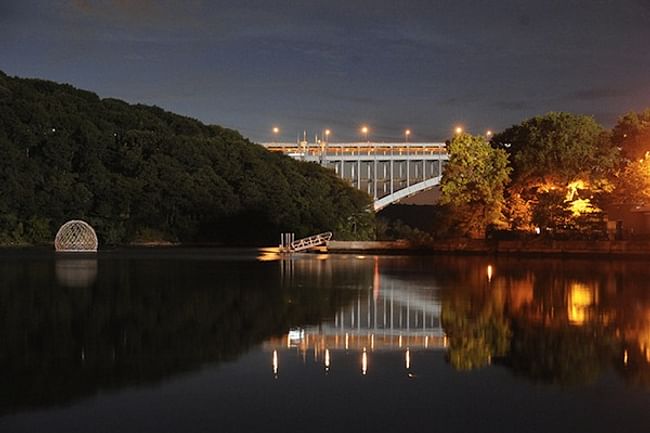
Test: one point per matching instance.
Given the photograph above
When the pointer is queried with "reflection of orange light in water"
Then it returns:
(643, 339)
(268, 257)
(489, 272)
(364, 362)
(347, 341)
(521, 293)
(407, 359)
(580, 298)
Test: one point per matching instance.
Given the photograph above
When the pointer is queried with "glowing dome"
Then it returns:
(76, 236)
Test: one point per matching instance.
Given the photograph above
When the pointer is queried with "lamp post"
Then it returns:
(364, 131)
(407, 133)
(275, 131)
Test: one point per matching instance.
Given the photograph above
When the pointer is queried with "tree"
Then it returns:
(473, 184)
(632, 135)
(560, 160)
(140, 173)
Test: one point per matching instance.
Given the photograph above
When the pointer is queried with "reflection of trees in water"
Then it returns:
(143, 320)
(557, 321)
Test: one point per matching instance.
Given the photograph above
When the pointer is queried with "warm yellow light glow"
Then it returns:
(488, 133)
(327, 132)
(580, 299)
(364, 130)
(364, 362)
(577, 205)
(407, 132)
(407, 358)
(347, 341)
(372, 342)
(399, 341)
(625, 357)
(327, 359)
(489, 272)
(276, 130)
(458, 130)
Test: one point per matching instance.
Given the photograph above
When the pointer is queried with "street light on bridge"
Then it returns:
(364, 131)
(488, 134)
(327, 135)
(458, 130)
(275, 131)
(407, 133)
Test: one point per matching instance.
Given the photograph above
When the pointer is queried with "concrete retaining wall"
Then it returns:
(479, 246)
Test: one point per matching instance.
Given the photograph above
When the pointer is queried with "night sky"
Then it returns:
(426, 65)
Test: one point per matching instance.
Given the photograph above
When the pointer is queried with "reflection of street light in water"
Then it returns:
(327, 360)
(364, 362)
(489, 273)
(407, 362)
(275, 364)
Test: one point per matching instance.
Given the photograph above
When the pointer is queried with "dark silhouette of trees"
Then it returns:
(136, 172)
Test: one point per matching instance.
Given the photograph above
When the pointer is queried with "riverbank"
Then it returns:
(536, 247)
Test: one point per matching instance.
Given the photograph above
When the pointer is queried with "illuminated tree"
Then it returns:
(473, 184)
(560, 163)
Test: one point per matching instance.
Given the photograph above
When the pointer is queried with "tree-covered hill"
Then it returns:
(137, 172)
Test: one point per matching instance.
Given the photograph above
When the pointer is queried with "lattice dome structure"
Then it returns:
(76, 236)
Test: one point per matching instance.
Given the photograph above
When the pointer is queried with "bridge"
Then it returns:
(388, 172)
(394, 314)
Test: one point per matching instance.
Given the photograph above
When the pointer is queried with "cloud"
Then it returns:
(513, 105)
(598, 93)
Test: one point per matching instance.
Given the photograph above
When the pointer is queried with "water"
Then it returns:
(240, 341)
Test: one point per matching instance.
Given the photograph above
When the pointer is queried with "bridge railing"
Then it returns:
(310, 242)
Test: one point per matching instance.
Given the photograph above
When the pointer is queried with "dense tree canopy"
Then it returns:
(632, 134)
(473, 183)
(561, 165)
(138, 172)
(557, 148)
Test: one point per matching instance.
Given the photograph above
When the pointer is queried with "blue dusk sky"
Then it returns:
(310, 65)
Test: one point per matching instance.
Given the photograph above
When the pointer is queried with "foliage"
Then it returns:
(632, 183)
(133, 169)
(398, 230)
(556, 148)
(561, 163)
(477, 332)
(632, 135)
(473, 183)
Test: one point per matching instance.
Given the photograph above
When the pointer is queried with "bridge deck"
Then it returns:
(388, 172)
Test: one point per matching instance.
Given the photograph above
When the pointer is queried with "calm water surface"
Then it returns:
(241, 341)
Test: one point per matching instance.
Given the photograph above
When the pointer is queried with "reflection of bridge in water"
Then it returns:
(396, 315)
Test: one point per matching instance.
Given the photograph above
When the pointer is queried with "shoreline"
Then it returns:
(532, 248)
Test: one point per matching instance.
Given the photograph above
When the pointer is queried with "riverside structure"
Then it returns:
(388, 172)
